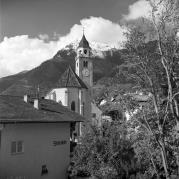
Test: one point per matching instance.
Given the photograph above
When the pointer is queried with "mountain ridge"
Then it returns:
(46, 75)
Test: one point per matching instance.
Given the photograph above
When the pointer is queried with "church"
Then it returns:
(74, 88)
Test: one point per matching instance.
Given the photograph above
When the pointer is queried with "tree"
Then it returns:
(153, 67)
(107, 152)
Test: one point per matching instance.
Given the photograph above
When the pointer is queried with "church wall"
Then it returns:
(73, 95)
(87, 103)
(60, 95)
(81, 97)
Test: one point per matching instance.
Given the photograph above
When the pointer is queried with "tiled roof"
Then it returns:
(13, 109)
(84, 43)
(136, 97)
(70, 79)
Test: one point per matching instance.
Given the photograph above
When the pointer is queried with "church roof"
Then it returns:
(70, 79)
(13, 109)
(84, 43)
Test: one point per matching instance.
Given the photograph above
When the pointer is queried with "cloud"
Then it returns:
(44, 37)
(143, 8)
(97, 29)
(138, 9)
(21, 52)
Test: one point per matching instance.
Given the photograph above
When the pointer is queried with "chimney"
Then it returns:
(36, 103)
(26, 98)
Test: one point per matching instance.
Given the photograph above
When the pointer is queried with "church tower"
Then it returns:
(84, 65)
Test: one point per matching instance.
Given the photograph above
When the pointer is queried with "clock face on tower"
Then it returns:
(85, 72)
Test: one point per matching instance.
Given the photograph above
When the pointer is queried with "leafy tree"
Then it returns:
(107, 152)
(152, 66)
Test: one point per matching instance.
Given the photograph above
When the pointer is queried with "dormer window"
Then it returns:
(85, 64)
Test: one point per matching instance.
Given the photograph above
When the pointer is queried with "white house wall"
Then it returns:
(39, 150)
(60, 95)
(98, 112)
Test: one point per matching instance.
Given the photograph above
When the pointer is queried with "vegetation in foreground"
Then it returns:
(146, 145)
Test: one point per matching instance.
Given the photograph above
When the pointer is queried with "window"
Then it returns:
(44, 170)
(85, 51)
(17, 147)
(73, 106)
(83, 109)
(85, 64)
(66, 99)
(94, 115)
(54, 96)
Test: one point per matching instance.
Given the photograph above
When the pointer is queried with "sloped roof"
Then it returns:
(136, 97)
(84, 43)
(70, 79)
(13, 109)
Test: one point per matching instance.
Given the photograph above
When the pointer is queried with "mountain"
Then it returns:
(47, 74)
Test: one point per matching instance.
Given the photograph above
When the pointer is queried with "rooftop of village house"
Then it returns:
(14, 109)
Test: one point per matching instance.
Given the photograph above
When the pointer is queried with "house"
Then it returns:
(96, 115)
(139, 100)
(34, 138)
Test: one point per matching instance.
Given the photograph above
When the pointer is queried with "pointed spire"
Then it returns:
(84, 43)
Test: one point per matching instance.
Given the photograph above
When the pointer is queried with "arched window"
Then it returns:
(66, 98)
(83, 109)
(85, 51)
(85, 64)
(73, 106)
(54, 96)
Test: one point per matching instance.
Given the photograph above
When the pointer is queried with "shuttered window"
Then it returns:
(17, 147)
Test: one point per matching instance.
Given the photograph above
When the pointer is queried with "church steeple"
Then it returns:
(84, 43)
(83, 47)
(84, 65)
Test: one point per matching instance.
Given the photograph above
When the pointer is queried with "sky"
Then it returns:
(32, 31)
